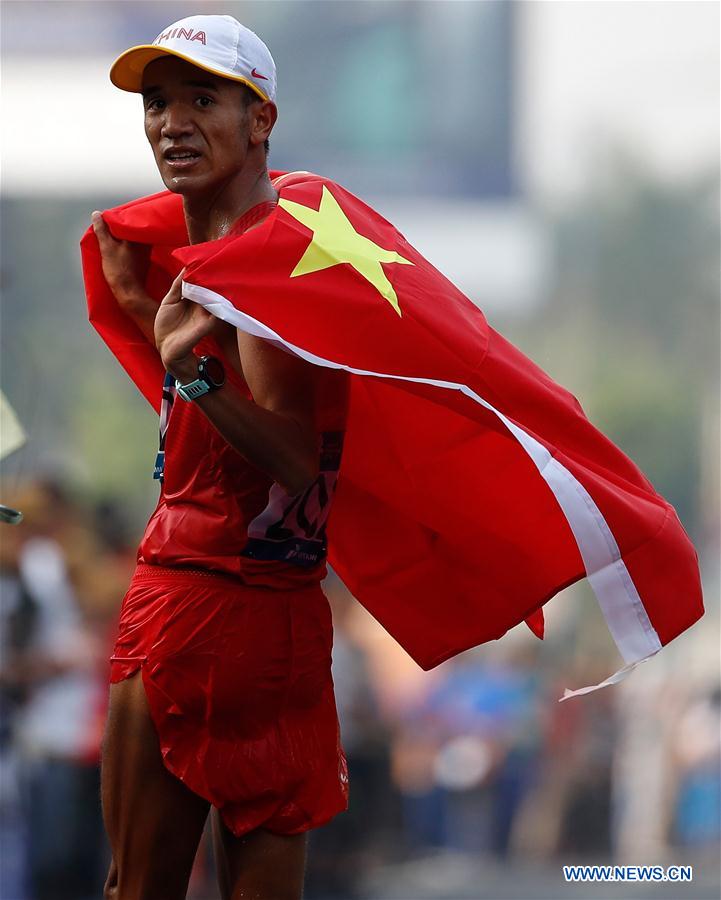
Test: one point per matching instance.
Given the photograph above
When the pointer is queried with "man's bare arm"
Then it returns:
(276, 430)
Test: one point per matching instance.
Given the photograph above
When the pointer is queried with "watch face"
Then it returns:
(213, 371)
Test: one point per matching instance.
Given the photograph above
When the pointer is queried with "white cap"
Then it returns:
(218, 44)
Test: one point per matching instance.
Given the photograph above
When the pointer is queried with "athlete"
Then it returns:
(221, 696)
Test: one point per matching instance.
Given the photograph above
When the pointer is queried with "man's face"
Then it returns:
(197, 124)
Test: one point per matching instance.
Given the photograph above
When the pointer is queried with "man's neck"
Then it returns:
(211, 217)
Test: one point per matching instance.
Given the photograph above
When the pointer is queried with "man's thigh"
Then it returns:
(259, 864)
(154, 822)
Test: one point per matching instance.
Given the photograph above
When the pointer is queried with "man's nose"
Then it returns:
(176, 122)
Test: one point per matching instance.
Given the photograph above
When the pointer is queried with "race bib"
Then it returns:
(292, 528)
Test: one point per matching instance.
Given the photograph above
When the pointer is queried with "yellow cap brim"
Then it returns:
(126, 72)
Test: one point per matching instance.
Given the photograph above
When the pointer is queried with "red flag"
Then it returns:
(157, 221)
(473, 487)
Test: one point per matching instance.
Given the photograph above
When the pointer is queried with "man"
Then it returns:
(473, 488)
(221, 689)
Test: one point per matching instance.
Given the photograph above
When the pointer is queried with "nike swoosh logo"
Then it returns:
(258, 75)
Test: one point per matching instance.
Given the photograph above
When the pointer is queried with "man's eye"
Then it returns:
(155, 103)
(204, 101)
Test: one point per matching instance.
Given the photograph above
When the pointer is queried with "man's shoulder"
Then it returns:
(301, 176)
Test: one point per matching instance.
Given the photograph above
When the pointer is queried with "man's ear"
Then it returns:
(263, 118)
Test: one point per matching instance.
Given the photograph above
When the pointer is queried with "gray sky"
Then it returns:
(644, 75)
(592, 75)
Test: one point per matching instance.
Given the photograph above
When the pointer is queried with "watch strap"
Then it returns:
(205, 383)
(193, 389)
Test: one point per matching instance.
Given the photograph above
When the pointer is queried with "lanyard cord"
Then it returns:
(166, 405)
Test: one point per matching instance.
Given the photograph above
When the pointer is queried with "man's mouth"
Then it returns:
(181, 157)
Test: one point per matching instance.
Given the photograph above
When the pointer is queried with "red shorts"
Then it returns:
(239, 685)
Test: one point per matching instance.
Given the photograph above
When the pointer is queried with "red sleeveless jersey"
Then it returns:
(216, 511)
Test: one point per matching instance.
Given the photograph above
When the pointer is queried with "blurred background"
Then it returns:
(559, 162)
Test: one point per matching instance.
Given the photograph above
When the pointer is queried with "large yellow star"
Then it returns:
(336, 241)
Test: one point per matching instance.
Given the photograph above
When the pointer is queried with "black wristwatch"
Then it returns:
(211, 377)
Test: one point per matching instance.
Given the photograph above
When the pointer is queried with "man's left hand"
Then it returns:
(179, 325)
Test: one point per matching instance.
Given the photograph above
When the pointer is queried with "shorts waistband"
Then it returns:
(144, 571)
(190, 575)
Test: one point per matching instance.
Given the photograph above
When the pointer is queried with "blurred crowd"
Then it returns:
(63, 572)
(476, 757)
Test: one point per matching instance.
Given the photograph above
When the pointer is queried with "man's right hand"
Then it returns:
(125, 265)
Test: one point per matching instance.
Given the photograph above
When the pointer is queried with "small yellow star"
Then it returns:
(336, 241)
